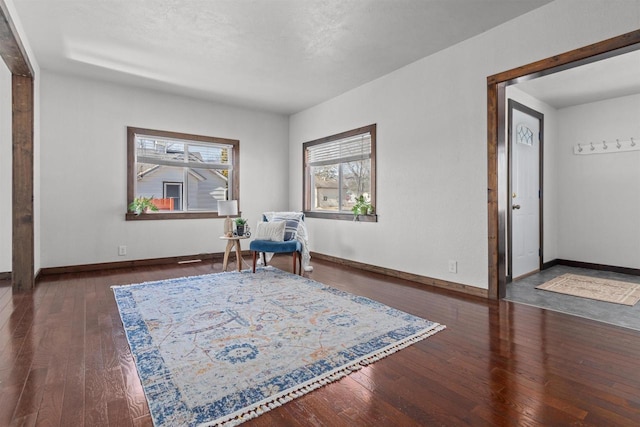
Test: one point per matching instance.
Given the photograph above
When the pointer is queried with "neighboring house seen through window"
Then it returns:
(337, 170)
(185, 174)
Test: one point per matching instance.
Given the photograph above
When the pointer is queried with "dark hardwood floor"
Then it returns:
(64, 361)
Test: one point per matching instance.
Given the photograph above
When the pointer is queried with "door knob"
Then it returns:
(515, 207)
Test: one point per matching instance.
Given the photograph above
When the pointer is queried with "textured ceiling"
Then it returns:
(279, 55)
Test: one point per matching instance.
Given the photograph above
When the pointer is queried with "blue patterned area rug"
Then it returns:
(223, 348)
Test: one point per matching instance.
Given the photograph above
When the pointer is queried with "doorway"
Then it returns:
(525, 145)
(498, 197)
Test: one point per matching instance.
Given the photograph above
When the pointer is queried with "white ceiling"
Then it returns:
(279, 55)
(609, 78)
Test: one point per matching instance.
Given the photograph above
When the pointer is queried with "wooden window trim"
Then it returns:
(131, 172)
(342, 216)
(306, 184)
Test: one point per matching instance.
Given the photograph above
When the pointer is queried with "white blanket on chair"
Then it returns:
(301, 235)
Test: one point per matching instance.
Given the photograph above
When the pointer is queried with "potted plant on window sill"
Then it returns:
(361, 207)
(142, 205)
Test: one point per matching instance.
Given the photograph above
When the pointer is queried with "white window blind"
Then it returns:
(349, 149)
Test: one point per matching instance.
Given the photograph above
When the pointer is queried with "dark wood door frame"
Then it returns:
(514, 105)
(14, 55)
(497, 167)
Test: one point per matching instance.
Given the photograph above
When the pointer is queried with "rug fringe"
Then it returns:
(273, 402)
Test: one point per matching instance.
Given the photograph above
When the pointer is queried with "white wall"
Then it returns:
(599, 194)
(550, 170)
(5, 169)
(432, 141)
(84, 165)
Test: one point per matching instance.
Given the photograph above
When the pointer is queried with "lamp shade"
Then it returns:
(227, 207)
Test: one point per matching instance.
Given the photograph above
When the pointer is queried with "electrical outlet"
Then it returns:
(453, 266)
(122, 250)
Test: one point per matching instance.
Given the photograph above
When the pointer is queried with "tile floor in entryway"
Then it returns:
(523, 291)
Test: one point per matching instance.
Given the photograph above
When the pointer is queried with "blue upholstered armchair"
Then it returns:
(278, 235)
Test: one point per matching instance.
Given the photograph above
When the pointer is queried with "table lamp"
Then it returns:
(227, 207)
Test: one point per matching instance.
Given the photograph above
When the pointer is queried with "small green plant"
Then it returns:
(361, 207)
(142, 204)
(241, 226)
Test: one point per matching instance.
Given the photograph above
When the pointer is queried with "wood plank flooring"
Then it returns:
(65, 361)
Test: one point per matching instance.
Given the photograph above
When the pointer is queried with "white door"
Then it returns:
(525, 193)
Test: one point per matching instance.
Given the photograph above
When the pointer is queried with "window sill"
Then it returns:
(341, 216)
(177, 215)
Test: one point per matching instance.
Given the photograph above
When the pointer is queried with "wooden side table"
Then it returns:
(231, 242)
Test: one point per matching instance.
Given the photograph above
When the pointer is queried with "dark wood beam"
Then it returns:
(14, 55)
(11, 48)
(22, 183)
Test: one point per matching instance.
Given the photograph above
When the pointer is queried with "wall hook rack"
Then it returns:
(620, 146)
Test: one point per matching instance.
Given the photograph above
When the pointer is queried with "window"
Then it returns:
(185, 174)
(337, 170)
(173, 192)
